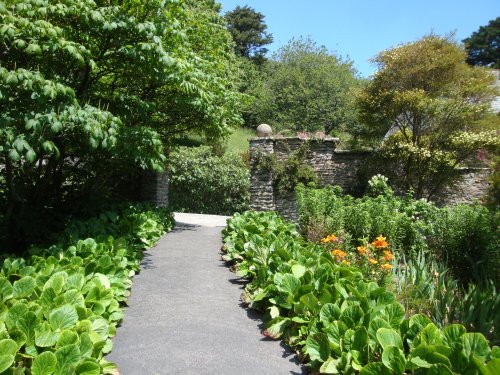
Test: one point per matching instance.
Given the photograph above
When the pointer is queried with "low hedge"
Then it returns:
(60, 305)
(339, 321)
(201, 182)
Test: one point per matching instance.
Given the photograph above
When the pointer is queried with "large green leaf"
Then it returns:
(68, 358)
(5, 289)
(88, 368)
(287, 283)
(389, 337)
(374, 326)
(63, 317)
(6, 360)
(360, 339)
(395, 314)
(8, 350)
(432, 354)
(317, 347)
(394, 359)
(375, 368)
(439, 369)
(27, 324)
(430, 335)
(329, 312)
(330, 366)
(298, 270)
(46, 338)
(101, 327)
(476, 344)
(44, 364)
(15, 313)
(67, 337)
(86, 345)
(8, 346)
(453, 332)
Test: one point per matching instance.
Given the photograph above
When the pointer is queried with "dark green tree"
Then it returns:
(249, 32)
(483, 46)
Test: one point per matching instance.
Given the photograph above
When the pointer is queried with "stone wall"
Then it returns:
(347, 169)
(154, 188)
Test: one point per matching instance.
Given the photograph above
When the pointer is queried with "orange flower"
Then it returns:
(388, 256)
(372, 261)
(330, 238)
(362, 250)
(386, 267)
(380, 242)
(339, 253)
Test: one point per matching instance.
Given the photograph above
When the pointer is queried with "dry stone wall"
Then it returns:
(347, 169)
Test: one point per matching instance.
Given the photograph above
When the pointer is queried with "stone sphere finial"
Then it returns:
(264, 130)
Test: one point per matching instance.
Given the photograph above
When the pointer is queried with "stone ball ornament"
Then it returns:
(264, 130)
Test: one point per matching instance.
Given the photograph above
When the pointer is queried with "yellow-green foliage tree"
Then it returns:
(426, 105)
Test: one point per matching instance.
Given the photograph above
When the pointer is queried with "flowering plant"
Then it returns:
(374, 258)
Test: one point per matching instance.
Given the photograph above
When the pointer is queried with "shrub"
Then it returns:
(340, 321)
(463, 237)
(60, 306)
(201, 182)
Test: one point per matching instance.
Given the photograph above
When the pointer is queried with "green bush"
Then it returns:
(463, 237)
(60, 306)
(201, 182)
(426, 286)
(339, 321)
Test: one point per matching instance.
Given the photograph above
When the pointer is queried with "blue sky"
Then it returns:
(360, 29)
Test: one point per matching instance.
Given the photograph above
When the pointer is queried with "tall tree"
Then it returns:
(91, 90)
(430, 100)
(306, 88)
(483, 46)
(249, 32)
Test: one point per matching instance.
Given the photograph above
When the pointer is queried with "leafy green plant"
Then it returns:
(423, 285)
(339, 321)
(462, 237)
(60, 306)
(290, 171)
(202, 182)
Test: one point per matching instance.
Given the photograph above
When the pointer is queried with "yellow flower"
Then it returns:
(372, 261)
(386, 267)
(339, 253)
(362, 250)
(380, 242)
(330, 238)
(346, 262)
(388, 256)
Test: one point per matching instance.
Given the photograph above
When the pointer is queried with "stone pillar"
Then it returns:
(261, 182)
(154, 188)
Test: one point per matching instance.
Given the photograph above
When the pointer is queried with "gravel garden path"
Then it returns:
(185, 314)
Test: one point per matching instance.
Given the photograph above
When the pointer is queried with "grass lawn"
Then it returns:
(238, 141)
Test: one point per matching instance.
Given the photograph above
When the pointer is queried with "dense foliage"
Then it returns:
(249, 32)
(483, 46)
(91, 91)
(340, 321)
(201, 182)
(426, 101)
(305, 88)
(60, 306)
(463, 237)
